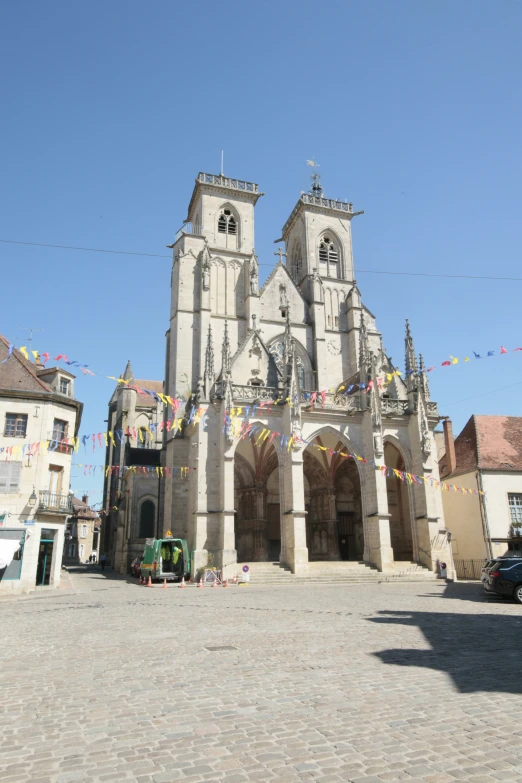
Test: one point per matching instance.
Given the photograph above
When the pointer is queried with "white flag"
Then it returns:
(311, 163)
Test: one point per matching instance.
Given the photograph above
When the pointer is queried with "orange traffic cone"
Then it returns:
(234, 579)
(141, 579)
(164, 585)
(225, 583)
(182, 583)
(215, 583)
(149, 583)
(200, 583)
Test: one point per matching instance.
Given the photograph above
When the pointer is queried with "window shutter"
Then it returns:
(4, 475)
(14, 481)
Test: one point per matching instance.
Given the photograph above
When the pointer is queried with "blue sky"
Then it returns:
(412, 109)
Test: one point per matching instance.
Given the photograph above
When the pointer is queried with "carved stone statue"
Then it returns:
(283, 301)
(205, 267)
(254, 276)
(378, 444)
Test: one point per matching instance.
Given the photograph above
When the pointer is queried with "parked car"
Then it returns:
(136, 566)
(504, 577)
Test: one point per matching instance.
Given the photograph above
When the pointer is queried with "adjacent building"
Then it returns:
(82, 533)
(39, 417)
(132, 498)
(485, 457)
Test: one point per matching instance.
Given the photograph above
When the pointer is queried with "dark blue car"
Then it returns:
(504, 577)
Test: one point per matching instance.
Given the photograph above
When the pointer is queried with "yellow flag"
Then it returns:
(23, 351)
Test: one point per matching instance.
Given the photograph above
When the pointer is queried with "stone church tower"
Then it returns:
(306, 340)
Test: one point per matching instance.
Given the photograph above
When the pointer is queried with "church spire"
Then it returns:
(423, 379)
(364, 349)
(209, 375)
(410, 364)
(225, 354)
(128, 375)
(287, 342)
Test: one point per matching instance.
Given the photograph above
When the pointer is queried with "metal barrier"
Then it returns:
(469, 569)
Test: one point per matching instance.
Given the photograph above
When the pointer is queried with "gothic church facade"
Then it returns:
(306, 339)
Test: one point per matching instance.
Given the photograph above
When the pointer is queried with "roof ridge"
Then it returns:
(272, 274)
(26, 365)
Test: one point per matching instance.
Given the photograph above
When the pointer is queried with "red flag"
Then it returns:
(445, 364)
(502, 349)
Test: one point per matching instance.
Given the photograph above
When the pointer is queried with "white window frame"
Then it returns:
(67, 384)
(515, 507)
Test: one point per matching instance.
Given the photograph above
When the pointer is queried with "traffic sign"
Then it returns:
(245, 569)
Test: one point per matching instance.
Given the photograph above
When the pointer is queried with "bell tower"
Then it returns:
(214, 276)
(318, 239)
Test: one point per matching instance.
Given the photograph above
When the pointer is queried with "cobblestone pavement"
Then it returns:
(368, 683)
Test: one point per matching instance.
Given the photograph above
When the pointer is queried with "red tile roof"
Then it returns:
(489, 443)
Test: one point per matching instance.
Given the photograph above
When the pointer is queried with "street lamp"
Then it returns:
(32, 498)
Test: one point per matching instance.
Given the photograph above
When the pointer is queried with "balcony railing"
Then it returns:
(397, 407)
(330, 203)
(196, 229)
(251, 393)
(54, 503)
(227, 182)
(332, 402)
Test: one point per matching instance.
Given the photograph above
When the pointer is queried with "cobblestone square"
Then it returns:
(365, 683)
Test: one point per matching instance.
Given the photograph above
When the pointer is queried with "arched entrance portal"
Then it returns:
(256, 500)
(398, 506)
(349, 511)
(334, 523)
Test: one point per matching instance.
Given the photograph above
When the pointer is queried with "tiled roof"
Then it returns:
(17, 374)
(499, 442)
(489, 443)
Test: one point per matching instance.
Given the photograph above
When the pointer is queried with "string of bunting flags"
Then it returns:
(43, 358)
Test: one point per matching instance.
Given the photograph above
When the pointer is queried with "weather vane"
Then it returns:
(316, 188)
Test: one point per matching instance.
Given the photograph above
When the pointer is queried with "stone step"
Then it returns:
(335, 572)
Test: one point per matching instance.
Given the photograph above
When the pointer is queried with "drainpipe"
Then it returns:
(484, 515)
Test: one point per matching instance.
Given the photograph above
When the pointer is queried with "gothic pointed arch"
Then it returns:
(228, 226)
(330, 254)
(295, 262)
(304, 366)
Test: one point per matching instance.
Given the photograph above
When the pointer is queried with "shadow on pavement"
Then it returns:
(467, 591)
(480, 652)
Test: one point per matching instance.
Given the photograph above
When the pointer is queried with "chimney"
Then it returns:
(449, 442)
(85, 499)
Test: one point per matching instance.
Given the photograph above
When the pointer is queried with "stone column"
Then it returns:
(293, 504)
(376, 524)
(431, 542)
(227, 542)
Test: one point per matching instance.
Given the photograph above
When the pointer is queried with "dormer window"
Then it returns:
(328, 253)
(227, 223)
(65, 385)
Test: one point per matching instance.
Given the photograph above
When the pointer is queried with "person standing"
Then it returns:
(103, 560)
